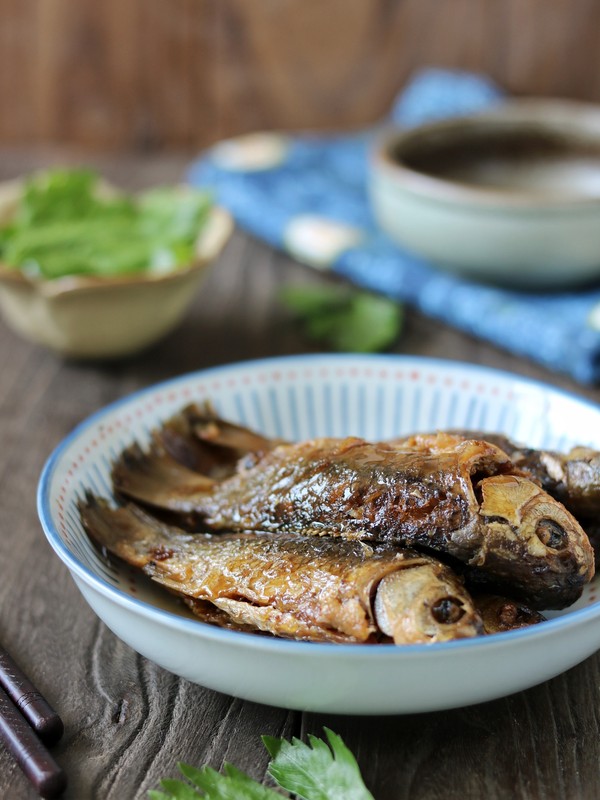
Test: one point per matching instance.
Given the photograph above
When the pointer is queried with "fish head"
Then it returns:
(501, 614)
(529, 531)
(425, 602)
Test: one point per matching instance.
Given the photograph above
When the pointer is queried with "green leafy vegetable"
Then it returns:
(345, 319)
(67, 225)
(315, 772)
(312, 772)
(62, 195)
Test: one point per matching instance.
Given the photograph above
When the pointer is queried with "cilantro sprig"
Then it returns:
(344, 318)
(313, 771)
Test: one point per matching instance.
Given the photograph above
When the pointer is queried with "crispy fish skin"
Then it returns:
(460, 500)
(319, 589)
(573, 478)
(342, 485)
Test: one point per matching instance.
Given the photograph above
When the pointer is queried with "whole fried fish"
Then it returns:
(464, 501)
(318, 589)
(573, 477)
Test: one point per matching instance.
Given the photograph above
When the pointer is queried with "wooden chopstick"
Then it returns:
(39, 714)
(22, 703)
(29, 752)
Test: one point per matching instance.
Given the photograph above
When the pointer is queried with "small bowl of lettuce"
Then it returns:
(92, 272)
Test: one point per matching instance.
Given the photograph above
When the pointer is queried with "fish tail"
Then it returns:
(125, 531)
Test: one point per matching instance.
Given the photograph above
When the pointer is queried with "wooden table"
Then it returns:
(128, 721)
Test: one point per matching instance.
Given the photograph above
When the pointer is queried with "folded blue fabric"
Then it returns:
(306, 194)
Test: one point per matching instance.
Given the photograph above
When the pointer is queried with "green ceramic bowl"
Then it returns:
(511, 196)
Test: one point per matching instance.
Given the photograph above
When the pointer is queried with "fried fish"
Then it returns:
(302, 587)
(573, 477)
(464, 500)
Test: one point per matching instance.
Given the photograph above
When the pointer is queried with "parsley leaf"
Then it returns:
(233, 785)
(345, 319)
(315, 772)
(311, 771)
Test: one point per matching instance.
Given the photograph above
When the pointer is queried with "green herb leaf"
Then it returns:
(345, 319)
(233, 785)
(311, 771)
(56, 195)
(314, 771)
(65, 225)
(179, 789)
(172, 215)
(313, 299)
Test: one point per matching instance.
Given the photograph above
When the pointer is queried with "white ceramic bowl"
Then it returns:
(510, 196)
(297, 398)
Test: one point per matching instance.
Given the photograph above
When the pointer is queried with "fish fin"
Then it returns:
(155, 478)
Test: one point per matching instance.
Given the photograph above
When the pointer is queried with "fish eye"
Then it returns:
(448, 610)
(550, 533)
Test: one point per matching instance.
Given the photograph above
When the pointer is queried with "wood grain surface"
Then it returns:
(157, 74)
(128, 721)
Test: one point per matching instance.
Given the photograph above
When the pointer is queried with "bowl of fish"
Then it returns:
(92, 272)
(339, 533)
(509, 196)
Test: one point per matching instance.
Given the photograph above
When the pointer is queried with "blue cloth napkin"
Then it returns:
(306, 194)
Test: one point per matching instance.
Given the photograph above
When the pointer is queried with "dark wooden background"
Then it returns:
(160, 74)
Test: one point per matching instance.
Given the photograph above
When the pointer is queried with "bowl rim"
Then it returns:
(543, 113)
(203, 630)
